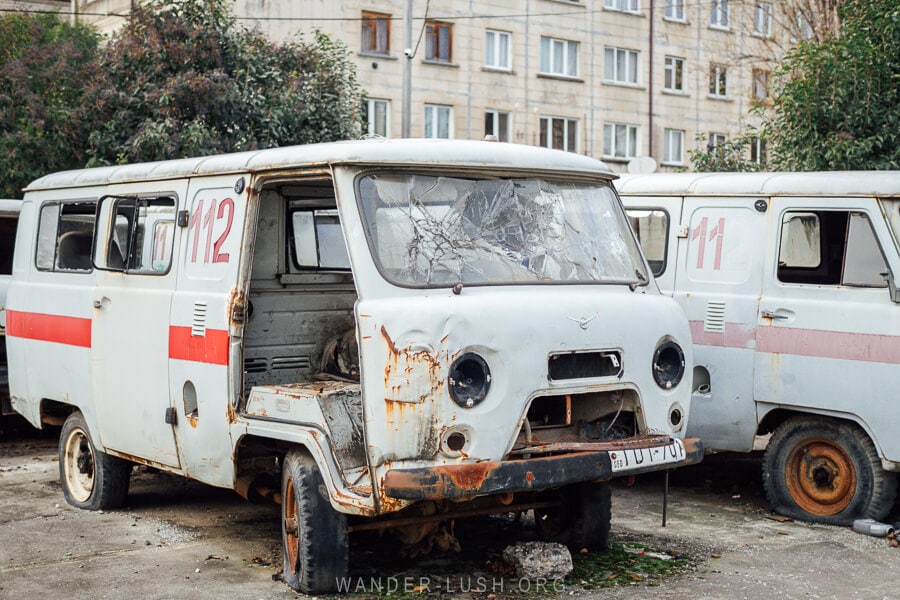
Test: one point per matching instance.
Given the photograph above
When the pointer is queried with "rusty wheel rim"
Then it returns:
(78, 465)
(291, 526)
(820, 477)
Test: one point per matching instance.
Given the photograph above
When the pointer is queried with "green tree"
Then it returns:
(44, 62)
(182, 79)
(837, 100)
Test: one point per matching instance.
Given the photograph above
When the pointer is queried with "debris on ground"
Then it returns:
(547, 561)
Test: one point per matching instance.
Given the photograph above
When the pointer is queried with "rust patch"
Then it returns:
(387, 338)
(193, 421)
(236, 307)
(230, 414)
(470, 477)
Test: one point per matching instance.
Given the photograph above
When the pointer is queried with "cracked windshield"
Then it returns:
(427, 230)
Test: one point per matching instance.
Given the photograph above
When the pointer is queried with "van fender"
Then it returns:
(314, 440)
(770, 415)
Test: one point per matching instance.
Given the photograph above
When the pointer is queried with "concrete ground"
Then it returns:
(180, 539)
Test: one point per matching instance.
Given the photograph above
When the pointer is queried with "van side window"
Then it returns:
(140, 235)
(318, 240)
(652, 230)
(65, 235)
(830, 248)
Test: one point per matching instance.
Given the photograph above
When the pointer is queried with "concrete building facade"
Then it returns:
(613, 79)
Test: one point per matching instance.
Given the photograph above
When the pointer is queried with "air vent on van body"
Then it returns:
(198, 325)
(715, 316)
(584, 365)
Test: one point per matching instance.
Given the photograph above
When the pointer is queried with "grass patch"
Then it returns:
(625, 564)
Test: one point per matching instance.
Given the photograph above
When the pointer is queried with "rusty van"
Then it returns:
(789, 281)
(376, 334)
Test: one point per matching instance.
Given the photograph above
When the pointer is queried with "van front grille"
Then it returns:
(584, 365)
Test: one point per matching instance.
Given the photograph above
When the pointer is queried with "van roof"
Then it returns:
(382, 152)
(815, 183)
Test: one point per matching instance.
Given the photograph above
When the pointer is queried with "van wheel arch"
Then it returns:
(826, 470)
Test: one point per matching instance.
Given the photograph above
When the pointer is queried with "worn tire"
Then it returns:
(313, 534)
(826, 471)
(91, 480)
(581, 521)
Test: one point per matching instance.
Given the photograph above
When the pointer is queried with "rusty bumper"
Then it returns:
(531, 474)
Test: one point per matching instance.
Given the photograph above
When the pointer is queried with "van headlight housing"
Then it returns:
(469, 380)
(668, 364)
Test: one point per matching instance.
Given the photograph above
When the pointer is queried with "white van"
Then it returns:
(9, 217)
(789, 283)
(376, 334)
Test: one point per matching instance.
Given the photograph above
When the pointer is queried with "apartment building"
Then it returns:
(613, 79)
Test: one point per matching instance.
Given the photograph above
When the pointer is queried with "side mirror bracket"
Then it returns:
(892, 286)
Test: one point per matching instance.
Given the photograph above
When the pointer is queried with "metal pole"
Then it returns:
(407, 69)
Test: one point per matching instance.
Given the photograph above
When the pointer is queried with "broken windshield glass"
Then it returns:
(427, 230)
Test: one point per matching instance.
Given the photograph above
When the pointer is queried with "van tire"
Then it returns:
(91, 480)
(582, 520)
(826, 471)
(314, 535)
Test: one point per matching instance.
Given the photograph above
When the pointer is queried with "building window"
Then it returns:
(758, 153)
(762, 19)
(496, 50)
(438, 121)
(674, 74)
(715, 139)
(376, 33)
(620, 141)
(559, 133)
(378, 116)
(621, 65)
(559, 57)
(673, 146)
(719, 16)
(675, 10)
(623, 5)
(718, 81)
(438, 41)
(496, 123)
(804, 28)
(760, 86)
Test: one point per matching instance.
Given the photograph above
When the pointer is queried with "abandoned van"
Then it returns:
(9, 217)
(789, 281)
(376, 334)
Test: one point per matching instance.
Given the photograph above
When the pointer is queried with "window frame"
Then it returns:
(632, 138)
(492, 40)
(719, 17)
(371, 22)
(626, 6)
(434, 120)
(432, 34)
(667, 147)
(293, 245)
(632, 65)
(546, 133)
(762, 15)
(53, 266)
(758, 151)
(129, 253)
(673, 69)
(497, 128)
(678, 9)
(718, 81)
(759, 92)
(548, 66)
(370, 110)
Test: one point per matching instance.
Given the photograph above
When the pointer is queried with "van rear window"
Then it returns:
(65, 236)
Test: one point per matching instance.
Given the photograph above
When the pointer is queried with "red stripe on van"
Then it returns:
(842, 345)
(210, 348)
(59, 329)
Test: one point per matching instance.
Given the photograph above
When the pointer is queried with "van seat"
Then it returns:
(74, 251)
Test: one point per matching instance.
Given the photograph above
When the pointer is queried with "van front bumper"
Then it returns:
(583, 462)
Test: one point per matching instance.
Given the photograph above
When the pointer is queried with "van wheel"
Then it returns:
(582, 519)
(826, 471)
(91, 480)
(314, 535)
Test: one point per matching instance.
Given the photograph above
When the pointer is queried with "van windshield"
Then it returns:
(433, 231)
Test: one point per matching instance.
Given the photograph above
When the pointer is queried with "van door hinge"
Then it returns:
(682, 231)
(171, 416)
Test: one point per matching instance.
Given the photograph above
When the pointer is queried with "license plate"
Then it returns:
(639, 458)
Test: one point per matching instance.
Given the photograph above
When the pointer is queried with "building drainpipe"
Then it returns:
(650, 85)
(407, 70)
